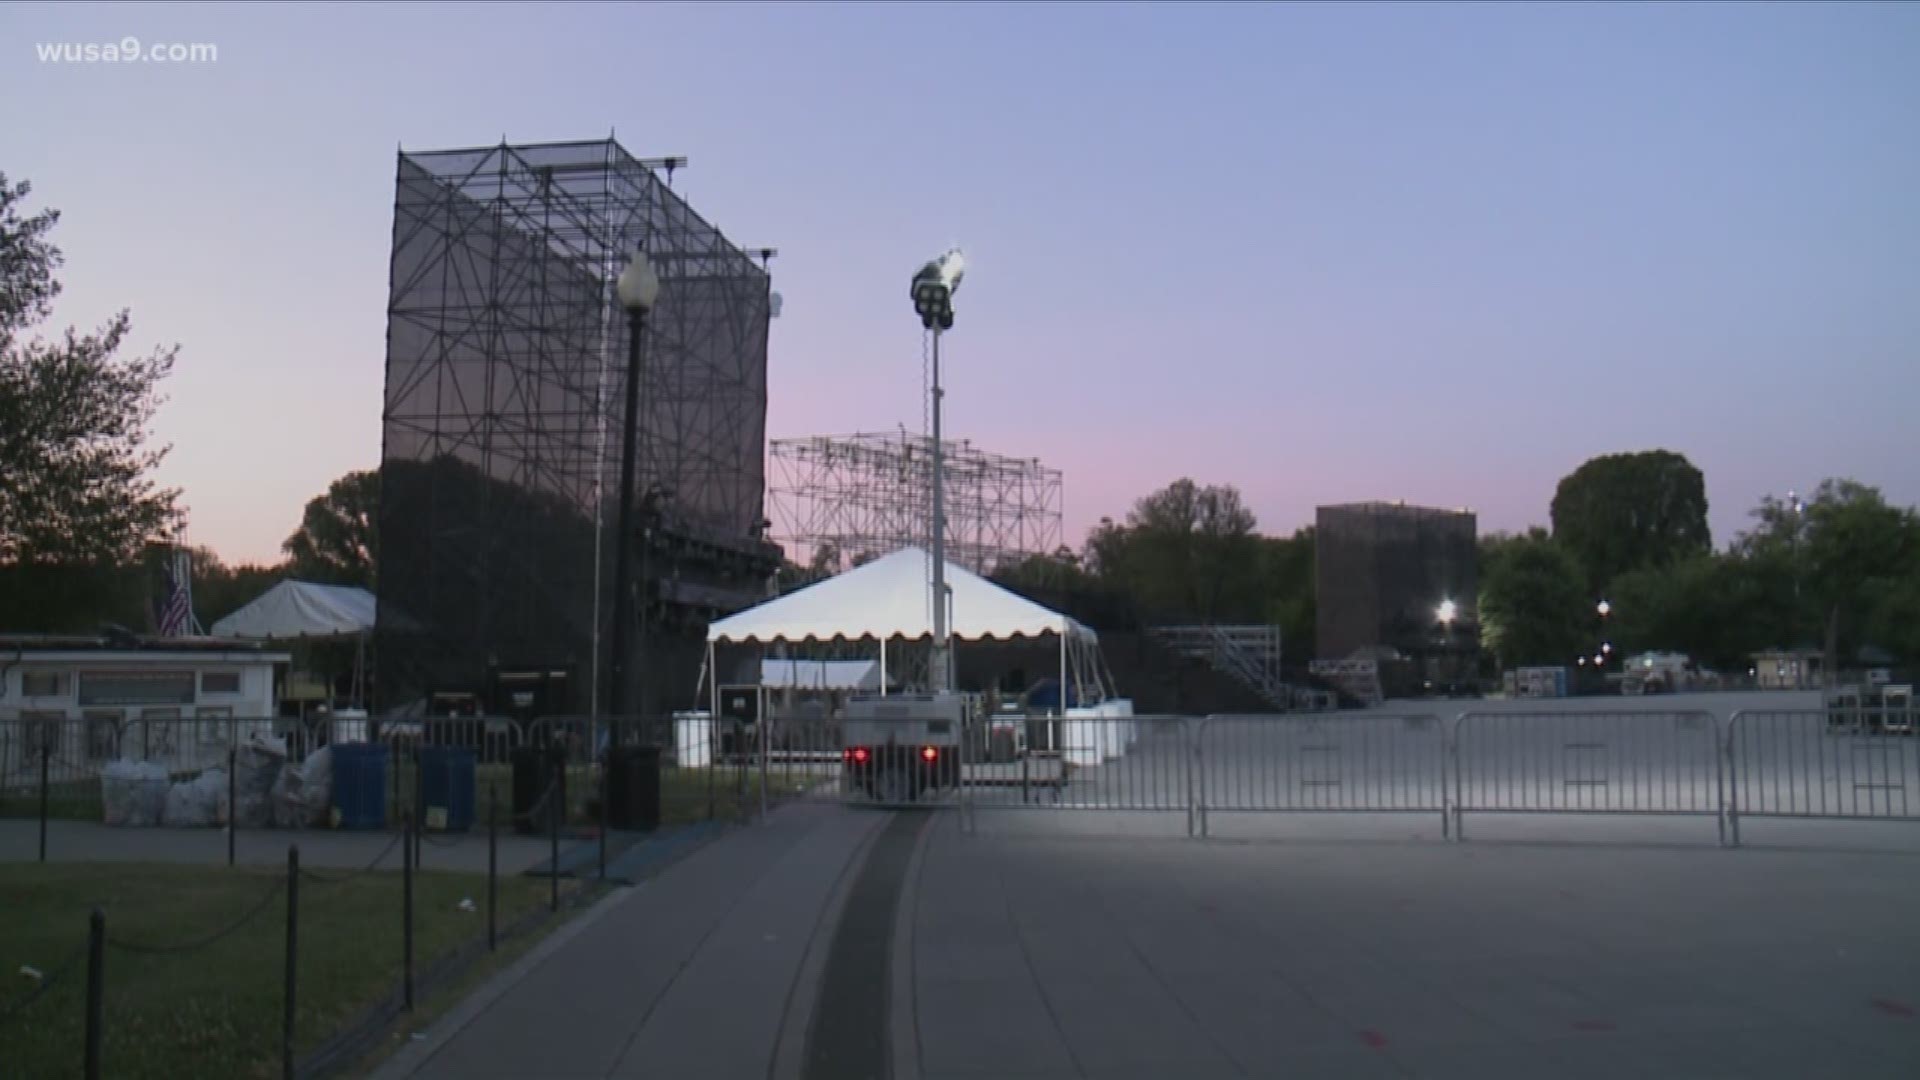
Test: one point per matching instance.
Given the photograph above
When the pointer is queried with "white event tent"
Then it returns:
(303, 609)
(296, 609)
(890, 599)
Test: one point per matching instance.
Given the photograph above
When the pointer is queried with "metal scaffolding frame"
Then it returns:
(506, 352)
(868, 494)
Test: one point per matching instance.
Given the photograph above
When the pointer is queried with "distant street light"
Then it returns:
(1448, 609)
(1605, 609)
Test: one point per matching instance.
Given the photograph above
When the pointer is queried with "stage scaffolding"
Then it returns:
(865, 495)
(506, 350)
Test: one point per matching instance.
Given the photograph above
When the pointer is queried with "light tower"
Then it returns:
(933, 289)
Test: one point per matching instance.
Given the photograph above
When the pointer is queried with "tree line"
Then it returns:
(1837, 572)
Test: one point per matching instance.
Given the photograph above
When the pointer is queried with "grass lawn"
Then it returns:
(216, 1011)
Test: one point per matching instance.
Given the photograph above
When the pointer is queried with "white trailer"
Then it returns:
(902, 747)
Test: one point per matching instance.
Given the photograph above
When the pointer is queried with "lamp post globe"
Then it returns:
(639, 284)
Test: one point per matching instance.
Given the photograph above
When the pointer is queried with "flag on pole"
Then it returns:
(175, 617)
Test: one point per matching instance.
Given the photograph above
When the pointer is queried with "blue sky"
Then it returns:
(1324, 253)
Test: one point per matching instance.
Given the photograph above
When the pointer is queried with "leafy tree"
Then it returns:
(1622, 512)
(73, 418)
(1287, 575)
(1186, 552)
(1845, 556)
(1894, 624)
(1062, 582)
(826, 562)
(1856, 555)
(1533, 600)
(220, 590)
(337, 536)
(1718, 609)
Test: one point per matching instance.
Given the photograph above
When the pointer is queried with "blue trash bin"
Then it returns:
(360, 785)
(447, 783)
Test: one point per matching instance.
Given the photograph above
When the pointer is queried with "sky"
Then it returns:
(1324, 253)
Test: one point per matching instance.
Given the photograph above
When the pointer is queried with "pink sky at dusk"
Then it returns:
(1325, 254)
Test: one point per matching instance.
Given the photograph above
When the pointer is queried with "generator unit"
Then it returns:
(902, 747)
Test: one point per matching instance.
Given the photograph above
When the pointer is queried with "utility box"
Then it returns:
(633, 788)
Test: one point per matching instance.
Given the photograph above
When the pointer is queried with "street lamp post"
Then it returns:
(932, 292)
(638, 288)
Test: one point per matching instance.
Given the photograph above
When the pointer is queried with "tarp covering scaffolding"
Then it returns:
(506, 362)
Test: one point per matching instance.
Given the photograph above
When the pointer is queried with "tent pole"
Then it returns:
(883, 667)
(1063, 674)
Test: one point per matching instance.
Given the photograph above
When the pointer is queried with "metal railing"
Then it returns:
(1250, 654)
(1612, 762)
(1342, 764)
(1093, 763)
(1833, 763)
(1843, 762)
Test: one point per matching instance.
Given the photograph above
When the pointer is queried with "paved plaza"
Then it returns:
(1058, 946)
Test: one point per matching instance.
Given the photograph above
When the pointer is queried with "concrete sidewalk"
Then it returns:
(702, 971)
(1038, 956)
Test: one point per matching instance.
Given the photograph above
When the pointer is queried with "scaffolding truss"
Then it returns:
(506, 351)
(861, 496)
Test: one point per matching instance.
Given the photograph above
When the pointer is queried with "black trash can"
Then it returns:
(533, 771)
(633, 788)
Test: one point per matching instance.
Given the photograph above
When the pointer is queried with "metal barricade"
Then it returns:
(1117, 763)
(1321, 763)
(799, 756)
(1847, 762)
(1611, 762)
(57, 762)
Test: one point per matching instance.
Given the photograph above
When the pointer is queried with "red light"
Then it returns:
(928, 753)
(859, 755)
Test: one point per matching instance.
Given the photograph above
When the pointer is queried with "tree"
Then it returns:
(1533, 600)
(826, 562)
(336, 540)
(1288, 583)
(73, 418)
(1852, 555)
(1186, 552)
(1622, 512)
(1062, 582)
(1845, 555)
(1717, 609)
(220, 590)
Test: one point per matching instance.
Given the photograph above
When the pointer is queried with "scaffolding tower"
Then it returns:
(861, 496)
(506, 354)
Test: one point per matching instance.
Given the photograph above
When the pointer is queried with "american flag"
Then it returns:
(175, 615)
